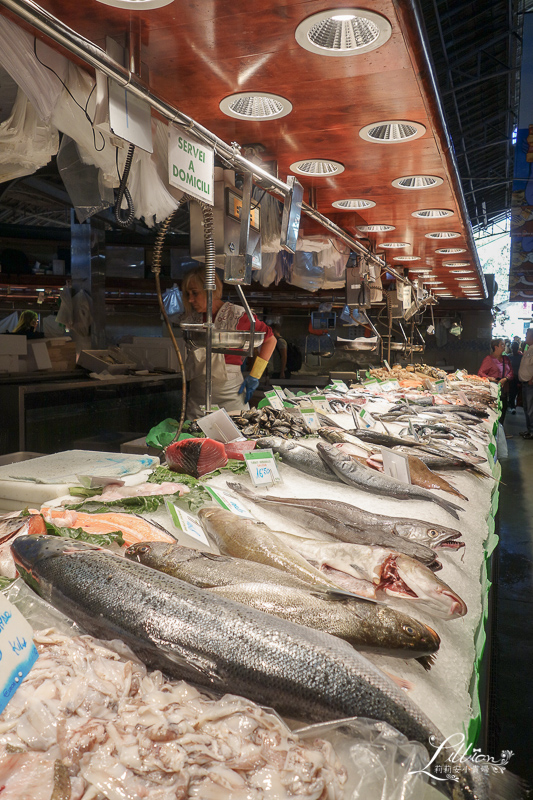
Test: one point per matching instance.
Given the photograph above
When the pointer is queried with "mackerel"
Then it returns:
(301, 458)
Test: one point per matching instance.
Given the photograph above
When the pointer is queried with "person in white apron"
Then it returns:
(229, 389)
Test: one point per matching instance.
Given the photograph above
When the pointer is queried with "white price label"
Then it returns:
(310, 416)
(339, 386)
(228, 502)
(17, 651)
(321, 404)
(367, 419)
(386, 386)
(186, 523)
(440, 387)
(396, 465)
(262, 467)
(274, 399)
(394, 385)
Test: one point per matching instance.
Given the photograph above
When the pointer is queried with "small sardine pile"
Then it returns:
(271, 422)
(87, 722)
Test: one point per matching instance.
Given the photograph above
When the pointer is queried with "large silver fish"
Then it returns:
(352, 524)
(394, 574)
(191, 634)
(354, 474)
(367, 626)
(301, 458)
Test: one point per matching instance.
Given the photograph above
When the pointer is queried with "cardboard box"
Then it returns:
(38, 357)
(62, 354)
(100, 360)
(13, 345)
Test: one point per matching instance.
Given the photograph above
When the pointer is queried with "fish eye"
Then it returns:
(144, 549)
(433, 533)
(409, 629)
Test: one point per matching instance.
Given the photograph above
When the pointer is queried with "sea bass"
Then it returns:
(301, 458)
(254, 541)
(392, 573)
(367, 626)
(351, 524)
(354, 474)
(224, 646)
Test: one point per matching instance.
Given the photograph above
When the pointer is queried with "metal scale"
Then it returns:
(236, 248)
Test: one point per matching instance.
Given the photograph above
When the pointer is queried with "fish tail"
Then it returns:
(241, 489)
(451, 508)
(426, 661)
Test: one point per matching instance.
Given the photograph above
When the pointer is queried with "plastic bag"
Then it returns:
(82, 313)
(377, 758)
(502, 451)
(173, 302)
(26, 142)
(10, 322)
(65, 313)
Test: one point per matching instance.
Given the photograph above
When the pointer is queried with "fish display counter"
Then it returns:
(335, 592)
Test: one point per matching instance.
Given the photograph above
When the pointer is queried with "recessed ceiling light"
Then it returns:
(394, 245)
(343, 32)
(432, 213)
(442, 235)
(406, 258)
(136, 5)
(450, 251)
(462, 271)
(392, 131)
(417, 182)
(375, 228)
(420, 270)
(349, 204)
(463, 281)
(318, 167)
(255, 105)
(456, 263)
(445, 294)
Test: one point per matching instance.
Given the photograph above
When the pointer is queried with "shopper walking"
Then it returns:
(497, 368)
(525, 376)
(514, 384)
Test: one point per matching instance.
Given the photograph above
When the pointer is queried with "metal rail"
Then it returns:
(93, 55)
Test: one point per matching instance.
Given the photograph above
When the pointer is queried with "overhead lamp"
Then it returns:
(392, 131)
(136, 5)
(461, 271)
(442, 235)
(375, 228)
(432, 213)
(450, 251)
(317, 167)
(351, 204)
(406, 258)
(417, 182)
(395, 245)
(343, 32)
(420, 270)
(456, 263)
(255, 105)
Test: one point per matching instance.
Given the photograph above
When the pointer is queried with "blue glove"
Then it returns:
(249, 385)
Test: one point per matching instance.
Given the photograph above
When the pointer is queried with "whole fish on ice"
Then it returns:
(224, 646)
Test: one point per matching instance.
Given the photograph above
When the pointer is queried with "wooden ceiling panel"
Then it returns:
(200, 51)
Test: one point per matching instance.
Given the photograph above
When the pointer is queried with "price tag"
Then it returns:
(459, 376)
(321, 404)
(385, 386)
(228, 502)
(387, 365)
(262, 467)
(17, 651)
(339, 386)
(280, 393)
(274, 399)
(394, 384)
(367, 419)
(186, 523)
(396, 465)
(310, 416)
(219, 426)
(440, 387)
(373, 385)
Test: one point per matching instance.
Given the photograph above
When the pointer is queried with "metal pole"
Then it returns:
(76, 44)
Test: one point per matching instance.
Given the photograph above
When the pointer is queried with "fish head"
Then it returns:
(427, 533)
(409, 633)
(270, 441)
(31, 552)
(151, 552)
(424, 587)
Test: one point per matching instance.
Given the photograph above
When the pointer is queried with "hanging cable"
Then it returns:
(123, 191)
(156, 269)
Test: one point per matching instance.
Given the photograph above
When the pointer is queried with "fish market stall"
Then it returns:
(332, 535)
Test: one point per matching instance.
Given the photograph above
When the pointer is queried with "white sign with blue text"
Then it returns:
(17, 651)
